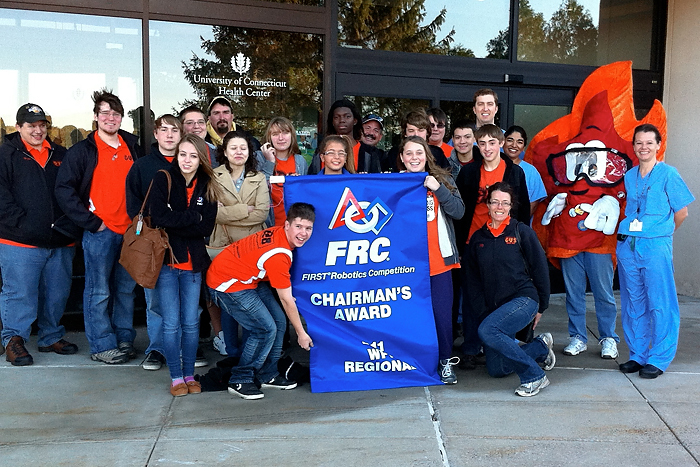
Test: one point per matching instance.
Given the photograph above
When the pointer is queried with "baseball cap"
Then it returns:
(219, 100)
(30, 113)
(374, 117)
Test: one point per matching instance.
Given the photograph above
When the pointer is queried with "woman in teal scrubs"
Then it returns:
(657, 200)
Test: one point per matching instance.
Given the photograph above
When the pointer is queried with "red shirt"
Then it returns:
(437, 263)
(277, 190)
(188, 265)
(481, 211)
(39, 155)
(265, 255)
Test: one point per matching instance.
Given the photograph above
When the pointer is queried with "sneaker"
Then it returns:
(219, 344)
(575, 347)
(248, 391)
(551, 359)
(110, 357)
(200, 361)
(532, 389)
(609, 350)
(448, 376)
(154, 361)
(279, 382)
(128, 349)
(17, 353)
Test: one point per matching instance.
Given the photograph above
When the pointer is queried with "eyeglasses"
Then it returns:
(495, 202)
(437, 125)
(195, 122)
(333, 153)
(109, 113)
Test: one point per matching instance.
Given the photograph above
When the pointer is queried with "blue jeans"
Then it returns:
(503, 354)
(234, 345)
(108, 299)
(178, 293)
(258, 312)
(154, 322)
(599, 269)
(36, 285)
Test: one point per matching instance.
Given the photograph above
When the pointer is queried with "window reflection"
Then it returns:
(586, 32)
(104, 52)
(391, 110)
(445, 27)
(263, 73)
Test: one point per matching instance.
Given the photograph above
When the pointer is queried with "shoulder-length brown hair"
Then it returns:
(440, 174)
(283, 124)
(202, 149)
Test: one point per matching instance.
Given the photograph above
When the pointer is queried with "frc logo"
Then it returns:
(360, 216)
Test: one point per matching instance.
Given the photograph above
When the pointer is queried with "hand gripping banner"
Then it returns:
(362, 281)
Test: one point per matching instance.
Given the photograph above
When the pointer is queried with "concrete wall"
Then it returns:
(682, 102)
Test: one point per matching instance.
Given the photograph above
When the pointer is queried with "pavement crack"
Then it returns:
(436, 426)
(166, 417)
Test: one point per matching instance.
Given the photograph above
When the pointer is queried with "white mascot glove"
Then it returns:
(555, 207)
(602, 215)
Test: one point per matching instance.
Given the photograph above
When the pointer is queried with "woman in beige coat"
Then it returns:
(243, 207)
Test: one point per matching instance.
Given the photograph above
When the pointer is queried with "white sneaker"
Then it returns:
(575, 347)
(551, 359)
(532, 389)
(219, 344)
(609, 350)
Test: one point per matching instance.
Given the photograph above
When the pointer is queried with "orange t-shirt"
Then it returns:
(188, 265)
(108, 189)
(500, 229)
(356, 154)
(169, 158)
(42, 155)
(481, 211)
(447, 149)
(437, 263)
(265, 255)
(277, 189)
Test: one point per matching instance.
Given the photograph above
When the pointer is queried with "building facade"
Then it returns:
(295, 57)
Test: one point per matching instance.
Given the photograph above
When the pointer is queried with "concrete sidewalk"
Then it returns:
(68, 410)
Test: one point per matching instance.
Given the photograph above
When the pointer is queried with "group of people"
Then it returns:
(218, 194)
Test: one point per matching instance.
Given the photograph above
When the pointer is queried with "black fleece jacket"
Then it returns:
(139, 178)
(29, 213)
(75, 180)
(497, 271)
(186, 224)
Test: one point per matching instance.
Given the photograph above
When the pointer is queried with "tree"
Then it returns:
(291, 57)
(531, 33)
(394, 25)
(571, 36)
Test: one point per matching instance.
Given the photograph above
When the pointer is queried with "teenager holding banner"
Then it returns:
(443, 204)
(240, 280)
(334, 151)
(508, 286)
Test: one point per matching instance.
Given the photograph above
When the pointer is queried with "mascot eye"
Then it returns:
(592, 161)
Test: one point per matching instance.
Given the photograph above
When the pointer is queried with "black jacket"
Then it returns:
(368, 160)
(186, 225)
(468, 184)
(497, 272)
(29, 213)
(75, 179)
(139, 178)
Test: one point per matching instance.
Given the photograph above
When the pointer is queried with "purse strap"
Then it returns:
(148, 192)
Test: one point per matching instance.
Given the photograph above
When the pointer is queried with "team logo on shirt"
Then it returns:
(360, 216)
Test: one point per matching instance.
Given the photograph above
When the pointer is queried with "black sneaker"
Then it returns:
(280, 382)
(128, 349)
(248, 391)
(200, 361)
(154, 361)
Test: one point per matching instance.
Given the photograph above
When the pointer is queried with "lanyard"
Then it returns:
(645, 189)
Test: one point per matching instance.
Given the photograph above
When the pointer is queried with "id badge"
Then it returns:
(635, 226)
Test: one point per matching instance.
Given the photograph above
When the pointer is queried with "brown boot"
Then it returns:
(16, 352)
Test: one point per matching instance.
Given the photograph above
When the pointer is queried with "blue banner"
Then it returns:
(362, 281)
